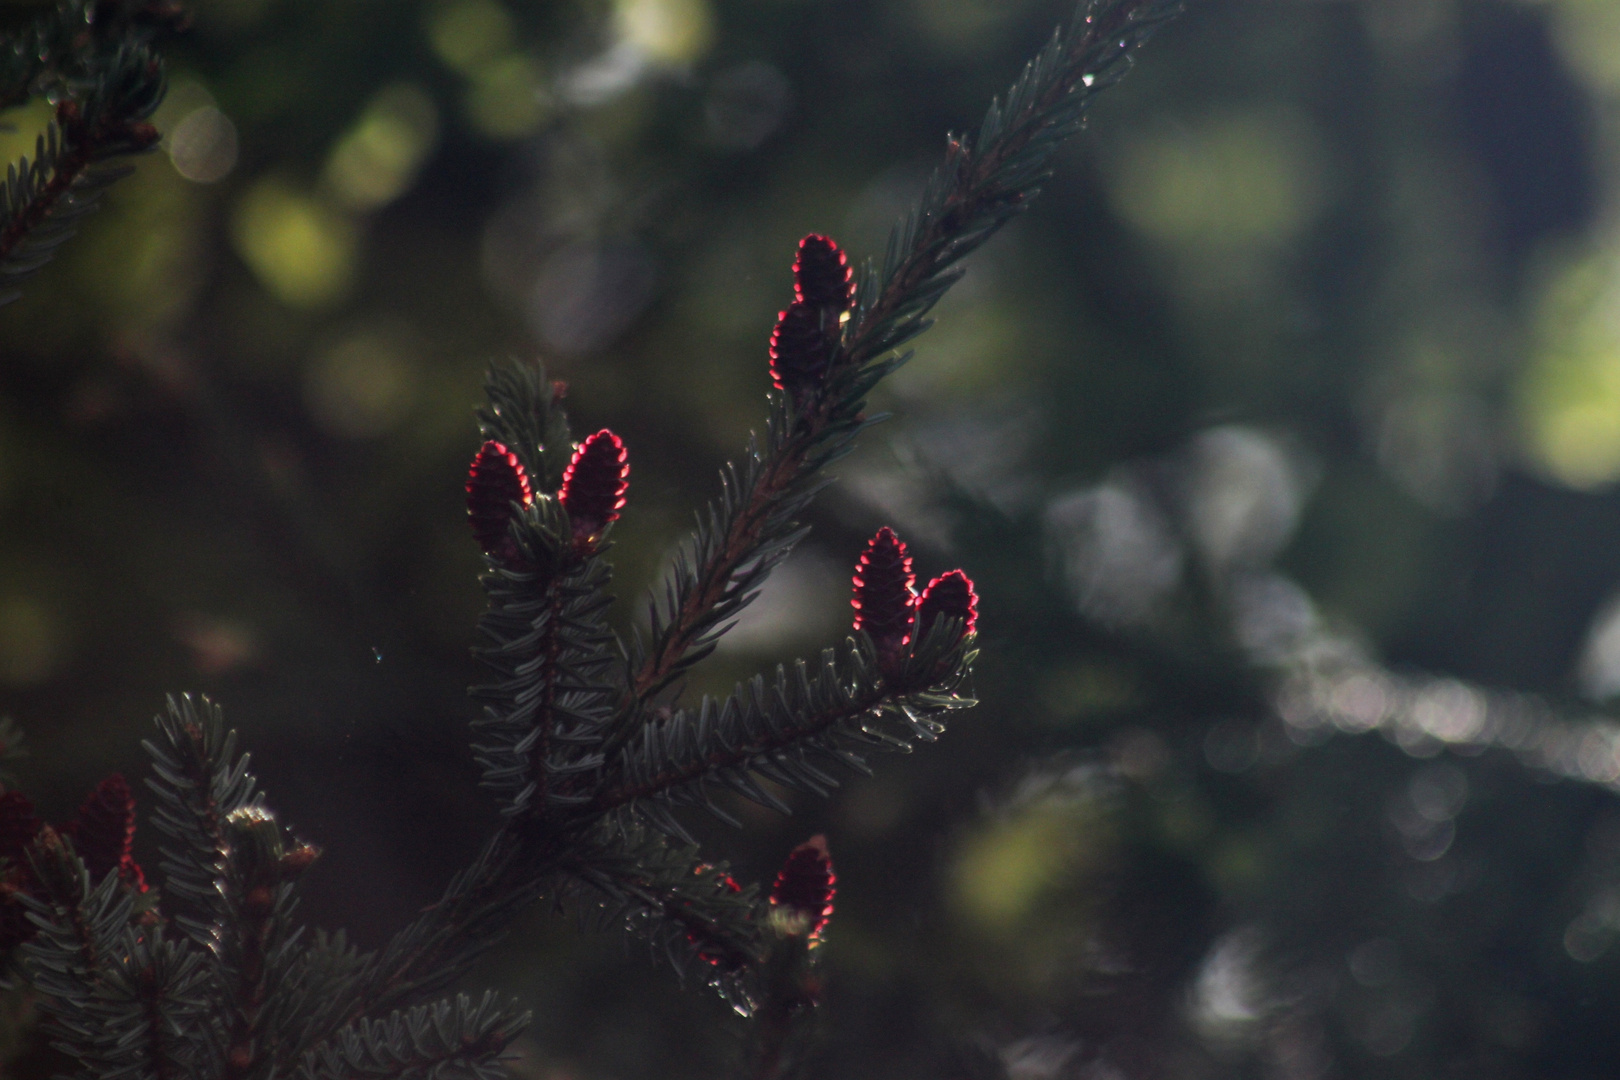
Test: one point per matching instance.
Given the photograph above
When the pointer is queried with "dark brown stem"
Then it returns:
(790, 993)
(251, 989)
(772, 1025)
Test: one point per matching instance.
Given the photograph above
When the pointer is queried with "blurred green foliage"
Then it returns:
(1308, 361)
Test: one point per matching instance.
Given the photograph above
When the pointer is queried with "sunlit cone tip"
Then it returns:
(949, 596)
(805, 885)
(594, 484)
(496, 481)
(822, 276)
(105, 828)
(885, 590)
(800, 348)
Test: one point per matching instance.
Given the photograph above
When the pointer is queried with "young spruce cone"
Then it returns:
(495, 482)
(885, 593)
(593, 487)
(104, 832)
(822, 276)
(804, 888)
(19, 824)
(800, 349)
(948, 596)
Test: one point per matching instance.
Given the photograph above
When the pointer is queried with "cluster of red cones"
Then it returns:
(807, 333)
(593, 491)
(888, 607)
(101, 834)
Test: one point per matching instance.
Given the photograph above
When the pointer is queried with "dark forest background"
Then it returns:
(1280, 437)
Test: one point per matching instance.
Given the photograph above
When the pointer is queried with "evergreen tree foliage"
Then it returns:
(583, 740)
(95, 61)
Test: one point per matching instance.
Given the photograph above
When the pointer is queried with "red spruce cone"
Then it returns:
(494, 483)
(822, 276)
(105, 830)
(593, 487)
(800, 348)
(885, 592)
(805, 885)
(948, 596)
(19, 824)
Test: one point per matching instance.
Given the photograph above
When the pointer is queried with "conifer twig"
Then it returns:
(769, 728)
(450, 1038)
(982, 185)
(583, 778)
(94, 58)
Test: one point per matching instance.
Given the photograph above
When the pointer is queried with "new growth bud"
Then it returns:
(297, 860)
(593, 487)
(495, 482)
(803, 893)
(885, 593)
(822, 276)
(949, 596)
(256, 851)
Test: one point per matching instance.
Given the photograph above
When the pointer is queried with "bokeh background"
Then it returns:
(1281, 438)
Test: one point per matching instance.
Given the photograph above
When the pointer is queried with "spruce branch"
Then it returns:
(478, 907)
(544, 632)
(584, 772)
(96, 62)
(199, 782)
(62, 44)
(524, 411)
(788, 728)
(545, 639)
(447, 1040)
(989, 178)
(233, 867)
(690, 912)
(119, 997)
(984, 182)
(253, 943)
(320, 973)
